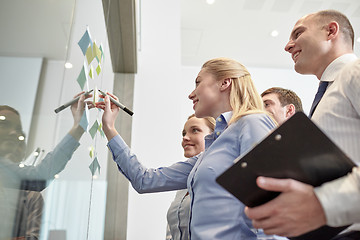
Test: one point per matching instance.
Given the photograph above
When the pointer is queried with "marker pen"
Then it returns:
(62, 107)
(128, 111)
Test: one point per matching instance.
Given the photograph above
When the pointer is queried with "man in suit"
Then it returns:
(321, 44)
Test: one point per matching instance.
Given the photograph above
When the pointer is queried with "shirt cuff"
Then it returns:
(339, 199)
(116, 146)
(69, 144)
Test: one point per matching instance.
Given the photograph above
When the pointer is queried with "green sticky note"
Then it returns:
(101, 49)
(82, 78)
(94, 129)
(94, 166)
(101, 130)
(102, 133)
(84, 121)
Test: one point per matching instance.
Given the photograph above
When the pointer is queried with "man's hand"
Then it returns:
(294, 212)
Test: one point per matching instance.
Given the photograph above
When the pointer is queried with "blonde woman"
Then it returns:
(224, 90)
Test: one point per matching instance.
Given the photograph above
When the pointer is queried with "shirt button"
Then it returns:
(218, 133)
(219, 119)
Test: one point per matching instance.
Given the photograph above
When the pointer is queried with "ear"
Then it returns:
(225, 84)
(290, 110)
(333, 30)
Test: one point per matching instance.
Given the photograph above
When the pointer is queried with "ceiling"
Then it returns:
(36, 28)
(241, 29)
(238, 29)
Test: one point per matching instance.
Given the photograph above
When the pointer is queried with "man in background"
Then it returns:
(281, 103)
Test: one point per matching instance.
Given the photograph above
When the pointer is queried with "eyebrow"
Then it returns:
(292, 35)
(268, 100)
(191, 127)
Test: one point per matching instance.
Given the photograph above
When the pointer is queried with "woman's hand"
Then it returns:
(77, 110)
(110, 114)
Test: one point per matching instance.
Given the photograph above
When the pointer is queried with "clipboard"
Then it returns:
(297, 149)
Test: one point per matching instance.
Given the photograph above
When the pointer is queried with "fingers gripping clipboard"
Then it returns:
(297, 149)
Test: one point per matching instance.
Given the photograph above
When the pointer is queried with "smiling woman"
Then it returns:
(195, 129)
(178, 215)
(224, 90)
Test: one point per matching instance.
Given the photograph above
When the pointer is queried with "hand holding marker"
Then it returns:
(128, 111)
(62, 107)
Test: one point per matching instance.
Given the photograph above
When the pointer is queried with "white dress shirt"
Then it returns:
(338, 115)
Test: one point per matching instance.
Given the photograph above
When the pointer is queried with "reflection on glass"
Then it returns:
(38, 33)
(22, 207)
(21, 184)
(36, 43)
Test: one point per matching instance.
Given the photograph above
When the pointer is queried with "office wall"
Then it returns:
(161, 107)
(157, 121)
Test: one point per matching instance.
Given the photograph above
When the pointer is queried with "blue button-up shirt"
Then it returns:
(215, 213)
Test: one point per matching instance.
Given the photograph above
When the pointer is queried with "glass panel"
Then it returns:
(47, 190)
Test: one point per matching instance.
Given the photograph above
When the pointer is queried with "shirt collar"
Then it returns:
(220, 126)
(333, 68)
(227, 116)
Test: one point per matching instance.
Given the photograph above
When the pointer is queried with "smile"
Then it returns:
(295, 55)
(187, 146)
(194, 103)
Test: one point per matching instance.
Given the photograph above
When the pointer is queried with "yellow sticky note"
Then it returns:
(90, 55)
(97, 52)
(98, 69)
(91, 153)
(91, 72)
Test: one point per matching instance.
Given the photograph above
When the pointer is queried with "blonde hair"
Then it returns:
(210, 121)
(244, 98)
